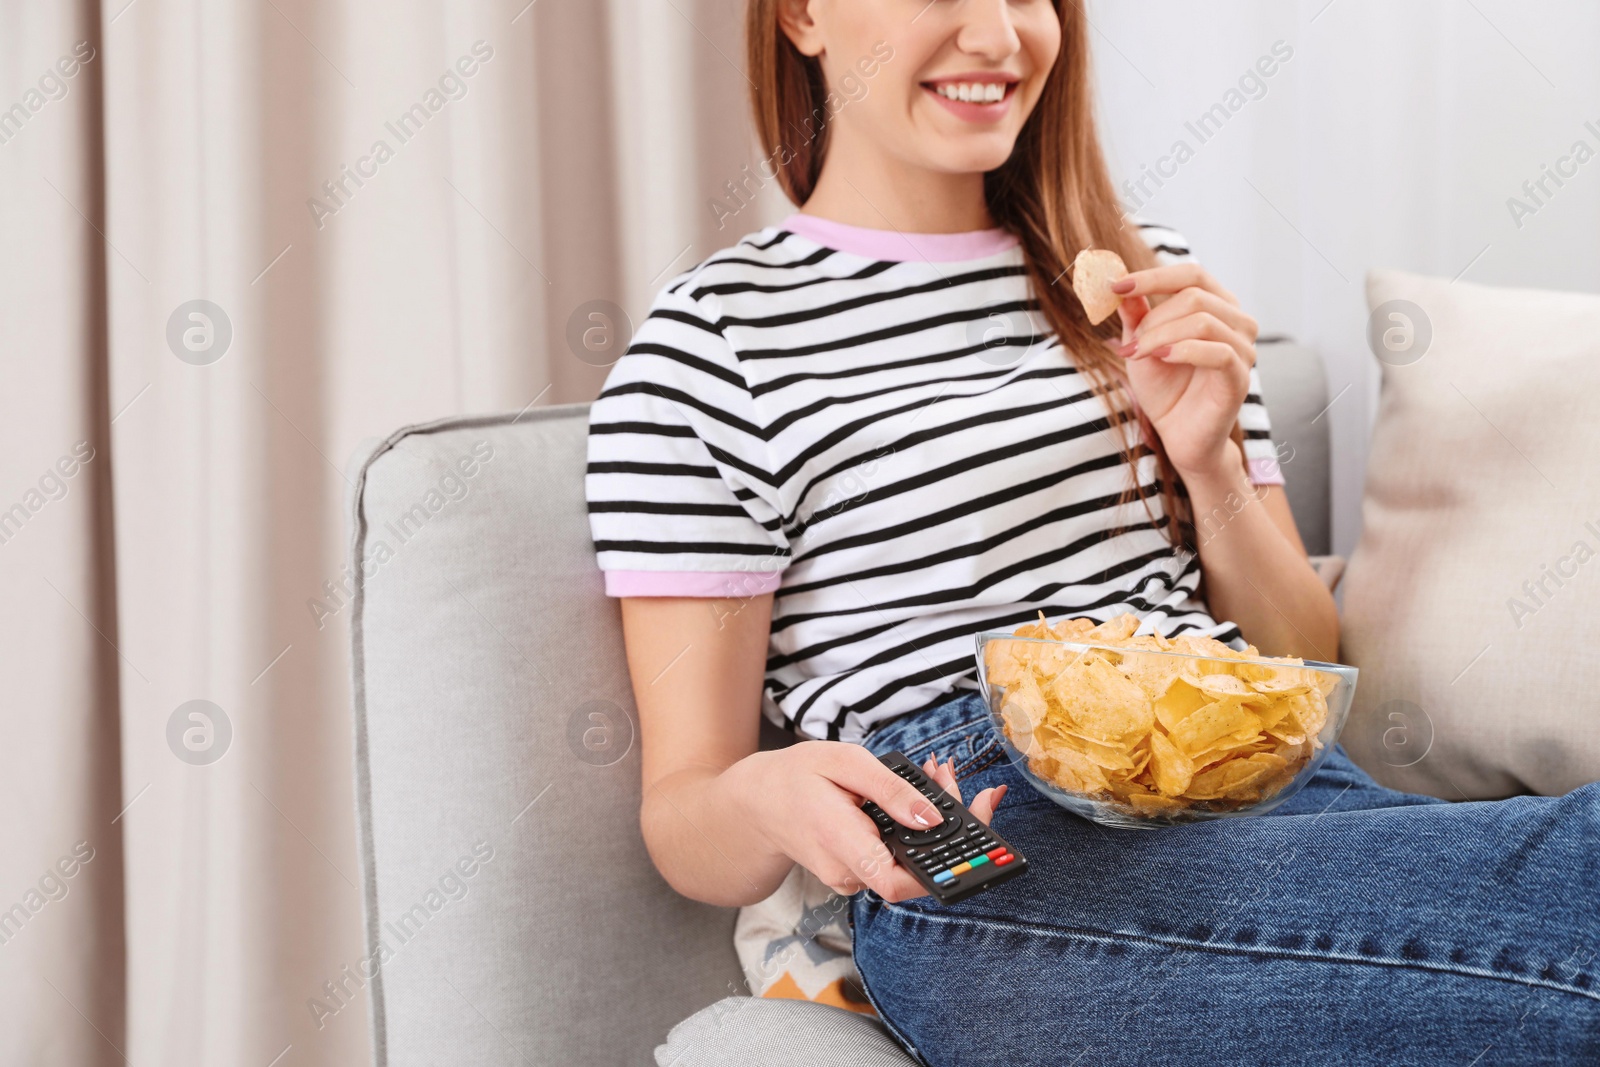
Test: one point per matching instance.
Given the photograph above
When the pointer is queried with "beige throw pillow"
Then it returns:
(1472, 602)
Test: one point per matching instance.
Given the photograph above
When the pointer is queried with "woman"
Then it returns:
(841, 447)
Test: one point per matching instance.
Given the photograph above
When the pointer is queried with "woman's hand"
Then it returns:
(1188, 361)
(806, 800)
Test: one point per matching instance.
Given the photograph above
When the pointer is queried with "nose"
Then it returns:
(987, 30)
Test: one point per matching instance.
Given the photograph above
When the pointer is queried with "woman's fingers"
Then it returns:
(944, 776)
(853, 768)
(1200, 326)
(1132, 311)
(1169, 279)
(1192, 301)
(983, 805)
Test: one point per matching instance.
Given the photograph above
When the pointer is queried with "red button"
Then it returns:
(996, 853)
(1003, 860)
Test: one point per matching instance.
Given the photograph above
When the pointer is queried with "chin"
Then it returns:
(976, 156)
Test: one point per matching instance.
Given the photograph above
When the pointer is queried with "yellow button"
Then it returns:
(960, 868)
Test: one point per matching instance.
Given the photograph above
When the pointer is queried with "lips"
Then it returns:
(979, 97)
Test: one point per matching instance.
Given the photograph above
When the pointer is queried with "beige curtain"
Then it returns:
(238, 241)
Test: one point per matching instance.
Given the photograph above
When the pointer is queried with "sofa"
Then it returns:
(512, 914)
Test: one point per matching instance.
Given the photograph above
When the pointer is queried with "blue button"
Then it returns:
(942, 877)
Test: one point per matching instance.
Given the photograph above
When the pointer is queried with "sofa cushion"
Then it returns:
(749, 1031)
(1470, 601)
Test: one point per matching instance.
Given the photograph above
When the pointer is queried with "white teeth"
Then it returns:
(972, 92)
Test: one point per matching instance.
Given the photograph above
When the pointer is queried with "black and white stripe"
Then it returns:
(790, 407)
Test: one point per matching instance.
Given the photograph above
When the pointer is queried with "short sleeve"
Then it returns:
(680, 501)
(1260, 454)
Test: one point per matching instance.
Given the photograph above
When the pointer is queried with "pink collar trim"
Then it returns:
(896, 247)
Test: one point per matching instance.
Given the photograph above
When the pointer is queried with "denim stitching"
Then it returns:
(961, 728)
(1238, 950)
(894, 1031)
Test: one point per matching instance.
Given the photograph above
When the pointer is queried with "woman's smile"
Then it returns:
(974, 97)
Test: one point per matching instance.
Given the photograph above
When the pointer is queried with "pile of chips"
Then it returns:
(1155, 734)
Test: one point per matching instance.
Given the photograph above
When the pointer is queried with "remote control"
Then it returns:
(955, 859)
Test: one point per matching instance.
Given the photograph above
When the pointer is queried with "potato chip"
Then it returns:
(1180, 700)
(1171, 768)
(1093, 272)
(1154, 805)
(1113, 631)
(1100, 700)
(1211, 724)
(1226, 686)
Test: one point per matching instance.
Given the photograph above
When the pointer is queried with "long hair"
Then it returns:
(1054, 193)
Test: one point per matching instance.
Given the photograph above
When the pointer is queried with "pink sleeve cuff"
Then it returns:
(1264, 470)
(691, 583)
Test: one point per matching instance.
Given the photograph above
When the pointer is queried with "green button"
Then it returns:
(979, 861)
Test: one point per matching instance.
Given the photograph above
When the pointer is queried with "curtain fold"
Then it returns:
(242, 243)
(61, 855)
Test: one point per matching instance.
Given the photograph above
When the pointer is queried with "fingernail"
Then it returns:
(1123, 286)
(920, 819)
(1128, 349)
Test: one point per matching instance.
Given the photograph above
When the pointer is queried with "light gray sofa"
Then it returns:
(512, 913)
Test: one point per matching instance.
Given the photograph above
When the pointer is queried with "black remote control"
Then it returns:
(955, 859)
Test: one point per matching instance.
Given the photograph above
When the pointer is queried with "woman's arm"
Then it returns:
(1189, 363)
(724, 823)
(1256, 569)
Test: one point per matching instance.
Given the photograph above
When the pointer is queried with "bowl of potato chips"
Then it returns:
(1145, 731)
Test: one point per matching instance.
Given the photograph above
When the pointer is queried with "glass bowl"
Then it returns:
(1141, 737)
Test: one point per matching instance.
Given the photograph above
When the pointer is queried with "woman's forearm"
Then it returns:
(703, 841)
(1255, 575)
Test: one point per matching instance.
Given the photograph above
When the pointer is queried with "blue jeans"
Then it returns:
(1353, 925)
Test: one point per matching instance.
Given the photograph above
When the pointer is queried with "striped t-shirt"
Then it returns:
(879, 429)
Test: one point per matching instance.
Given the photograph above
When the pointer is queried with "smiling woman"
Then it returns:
(1048, 466)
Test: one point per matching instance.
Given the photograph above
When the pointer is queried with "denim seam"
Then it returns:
(1240, 950)
(894, 1031)
(962, 729)
(994, 753)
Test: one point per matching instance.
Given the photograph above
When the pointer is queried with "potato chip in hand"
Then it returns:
(1093, 273)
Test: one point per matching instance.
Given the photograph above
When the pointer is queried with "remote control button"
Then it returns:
(996, 853)
(942, 877)
(961, 868)
(978, 861)
(1003, 860)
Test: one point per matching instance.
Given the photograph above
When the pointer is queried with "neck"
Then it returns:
(862, 186)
